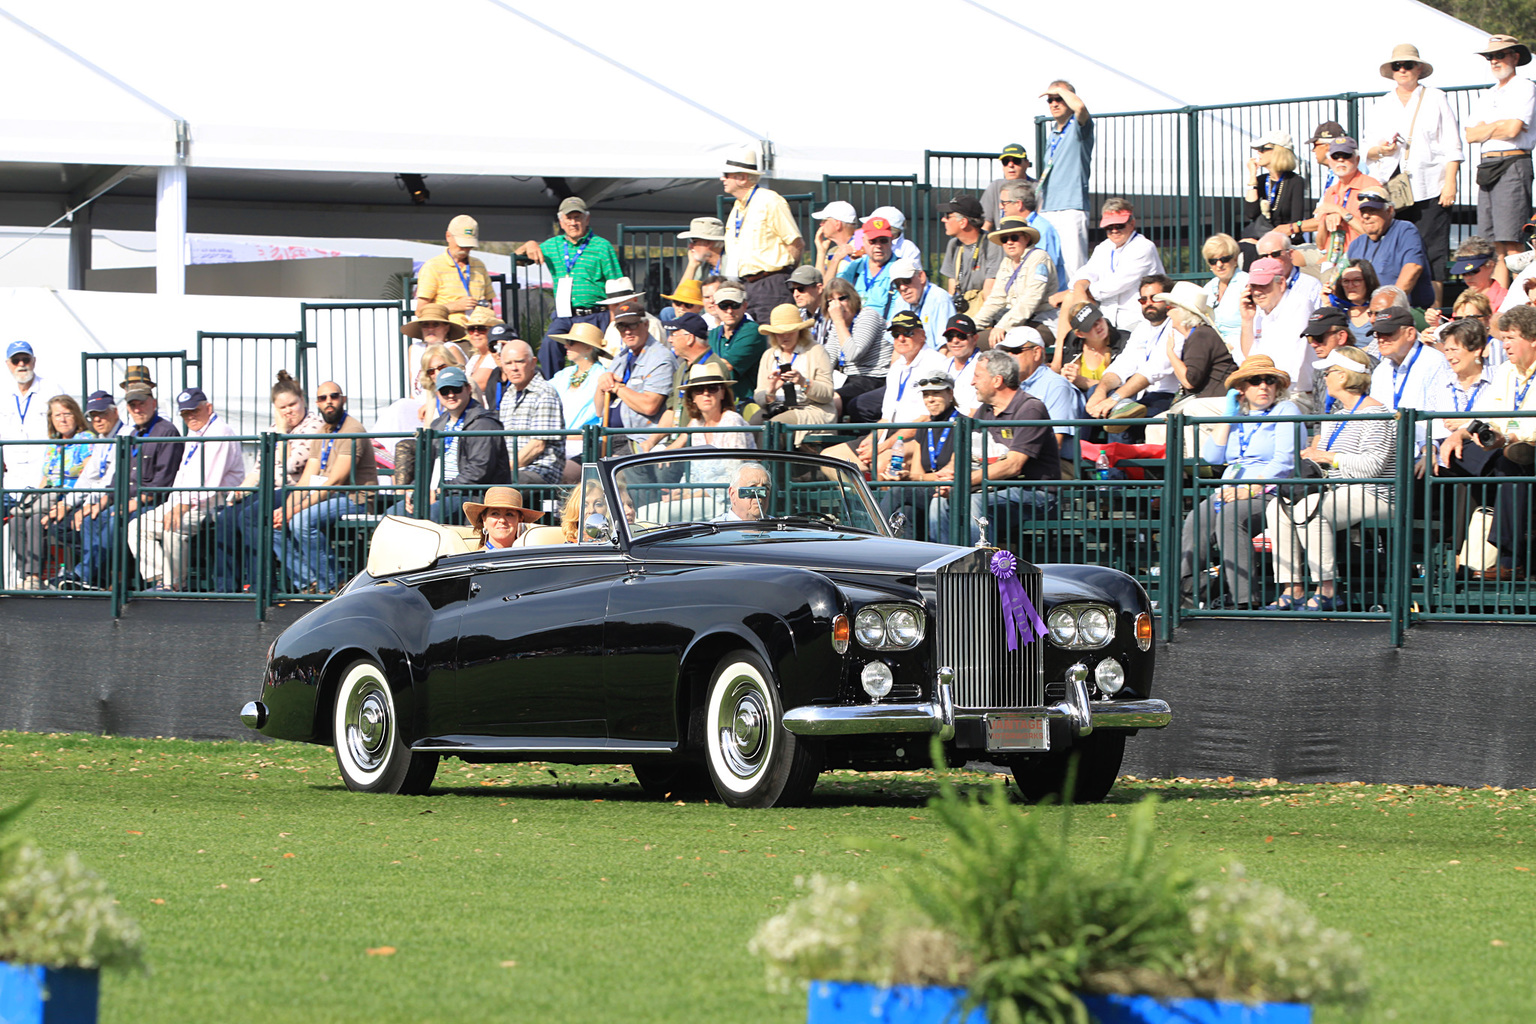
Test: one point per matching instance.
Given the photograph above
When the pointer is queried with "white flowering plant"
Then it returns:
(56, 912)
(1009, 909)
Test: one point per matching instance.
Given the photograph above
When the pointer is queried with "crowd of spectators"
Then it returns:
(1345, 303)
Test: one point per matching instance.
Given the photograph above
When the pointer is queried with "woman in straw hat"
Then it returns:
(1253, 447)
(480, 361)
(1026, 280)
(1356, 448)
(1413, 130)
(1199, 355)
(590, 354)
(710, 402)
(431, 327)
(795, 373)
(500, 518)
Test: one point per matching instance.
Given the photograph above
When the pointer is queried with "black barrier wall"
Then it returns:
(1296, 701)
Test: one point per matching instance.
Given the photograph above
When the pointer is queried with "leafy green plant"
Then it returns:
(57, 913)
(1031, 922)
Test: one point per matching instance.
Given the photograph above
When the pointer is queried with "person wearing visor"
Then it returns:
(1115, 271)
(1474, 263)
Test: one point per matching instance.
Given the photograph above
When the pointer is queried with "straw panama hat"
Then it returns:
(1014, 226)
(1257, 366)
(784, 319)
(1191, 298)
(500, 497)
(432, 313)
(587, 334)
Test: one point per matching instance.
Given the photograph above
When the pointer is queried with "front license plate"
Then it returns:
(1017, 732)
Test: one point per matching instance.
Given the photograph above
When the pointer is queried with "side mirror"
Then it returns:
(597, 528)
(898, 522)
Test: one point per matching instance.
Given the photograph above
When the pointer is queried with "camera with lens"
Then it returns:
(1485, 435)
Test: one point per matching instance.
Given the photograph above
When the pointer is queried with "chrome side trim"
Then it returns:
(627, 747)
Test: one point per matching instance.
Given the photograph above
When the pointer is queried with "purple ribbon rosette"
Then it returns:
(1019, 613)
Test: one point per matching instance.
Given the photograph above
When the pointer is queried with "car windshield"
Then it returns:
(727, 491)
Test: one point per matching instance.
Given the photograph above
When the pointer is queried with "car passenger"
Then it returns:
(500, 518)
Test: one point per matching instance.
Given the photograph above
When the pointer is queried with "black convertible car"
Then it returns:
(742, 622)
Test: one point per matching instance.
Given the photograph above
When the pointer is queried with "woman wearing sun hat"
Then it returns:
(710, 401)
(795, 371)
(1413, 129)
(1251, 447)
(500, 517)
(431, 327)
(1026, 280)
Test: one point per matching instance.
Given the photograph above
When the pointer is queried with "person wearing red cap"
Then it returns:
(1113, 273)
(870, 274)
(1274, 316)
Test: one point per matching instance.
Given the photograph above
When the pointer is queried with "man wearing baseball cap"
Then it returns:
(970, 259)
(1114, 272)
(581, 264)
(1274, 314)
(1061, 400)
(1015, 161)
(24, 417)
(918, 294)
(960, 349)
(838, 222)
(1321, 141)
(455, 278)
(210, 462)
(1411, 375)
(1503, 120)
(1394, 248)
(902, 247)
(870, 274)
(1328, 328)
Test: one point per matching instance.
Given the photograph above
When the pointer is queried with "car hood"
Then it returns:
(831, 551)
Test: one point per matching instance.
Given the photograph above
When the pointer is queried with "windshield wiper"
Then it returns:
(806, 519)
(684, 529)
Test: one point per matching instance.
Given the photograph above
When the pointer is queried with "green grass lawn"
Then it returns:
(269, 893)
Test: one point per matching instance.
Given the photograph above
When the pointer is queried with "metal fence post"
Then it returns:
(426, 445)
(960, 491)
(117, 561)
(265, 507)
(591, 442)
(1196, 214)
(1401, 552)
(1171, 523)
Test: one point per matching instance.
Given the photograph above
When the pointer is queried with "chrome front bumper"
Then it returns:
(939, 716)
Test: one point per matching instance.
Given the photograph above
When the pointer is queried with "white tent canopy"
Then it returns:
(447, 89)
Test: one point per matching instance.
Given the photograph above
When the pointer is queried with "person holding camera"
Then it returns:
(794, 377)
(455, 278)
(1496, 444)
(970, 259)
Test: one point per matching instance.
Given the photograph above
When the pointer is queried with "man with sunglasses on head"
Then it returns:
(302, 526)
(1015, 161)
(1112, 275)
(1063, 183)
(1394, 247)
(23, 417)
(1503, 120)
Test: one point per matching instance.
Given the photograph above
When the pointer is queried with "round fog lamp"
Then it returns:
(1094, 622)
(905, 630)
(1109, 677)
(869, 627)
(1062, 626)
(876, 679)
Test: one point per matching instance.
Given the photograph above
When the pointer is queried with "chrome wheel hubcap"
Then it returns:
(744, 728)
(368, 726)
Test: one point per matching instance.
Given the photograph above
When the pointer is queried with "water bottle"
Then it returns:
(1101, 466)
(898, 460)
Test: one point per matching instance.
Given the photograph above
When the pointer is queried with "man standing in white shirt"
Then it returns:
(1114, 271)
(24, 417)
(1504, 121)
(1274, 315)
(160, 537)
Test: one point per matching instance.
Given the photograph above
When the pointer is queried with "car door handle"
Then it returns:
(474, 587)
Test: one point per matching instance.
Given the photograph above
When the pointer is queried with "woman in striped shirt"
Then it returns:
(1351, 449)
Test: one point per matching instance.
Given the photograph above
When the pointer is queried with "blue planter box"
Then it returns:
(30, 994)
(836, 1002)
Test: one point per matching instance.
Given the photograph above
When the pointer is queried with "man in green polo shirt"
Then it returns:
(581, 264)
(736, 339)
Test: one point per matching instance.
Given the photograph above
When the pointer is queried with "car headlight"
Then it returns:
(1095, 626)
(903, 627)
(1108, 676)
(876, 679)
(1063, 626)
(869, 627)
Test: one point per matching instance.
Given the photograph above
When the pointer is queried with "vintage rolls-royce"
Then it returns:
(736, 620)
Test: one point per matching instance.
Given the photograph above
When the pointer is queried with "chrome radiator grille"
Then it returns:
(973, 641)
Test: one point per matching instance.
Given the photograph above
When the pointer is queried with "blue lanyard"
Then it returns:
(133, 452)
(1112, 252)
(1520, 394)
(1455, 404)
(1050, 154)
(934, 450)
(902, 387)
(453, 442)
(325, 453)
(1272, 194)
(1245, 436)
(741, 214)
(957, 371)
(566, 248)
(869, 282)
(1291, 281)
(1339, 426)
(22, 410)
(1397, 389)
(1328, 404)
(791, 364)
(467, 275)
(192, 449)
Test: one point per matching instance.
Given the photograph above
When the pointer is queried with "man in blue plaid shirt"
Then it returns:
(529, 403)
